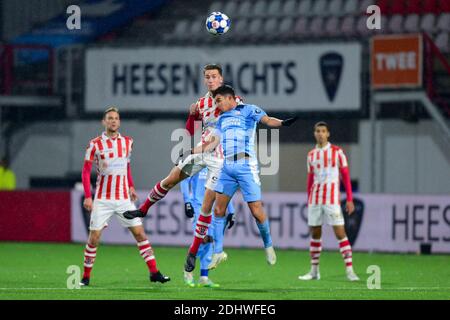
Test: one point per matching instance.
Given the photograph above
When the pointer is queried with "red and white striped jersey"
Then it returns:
(209, 113)
(325, 163)
(111, 157)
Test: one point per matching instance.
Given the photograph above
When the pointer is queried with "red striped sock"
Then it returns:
(346, 251)
(89, 258)
(315, 248)
(146, 252)
(201, 229)
(157, 193)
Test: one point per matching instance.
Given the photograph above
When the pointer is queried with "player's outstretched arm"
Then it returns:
(276, 123)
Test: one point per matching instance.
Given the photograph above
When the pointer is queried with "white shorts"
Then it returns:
(196, 162)
(103, 210)
(330, 214)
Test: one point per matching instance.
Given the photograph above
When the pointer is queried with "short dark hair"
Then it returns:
(224, 90)
(322, 124)
(212, 66)
(110, 109)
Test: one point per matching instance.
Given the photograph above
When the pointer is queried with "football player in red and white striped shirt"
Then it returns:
(114, 193)
(327, 164)
(205, 110)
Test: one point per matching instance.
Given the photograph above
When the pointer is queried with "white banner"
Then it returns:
(282, 78)
(391, 223)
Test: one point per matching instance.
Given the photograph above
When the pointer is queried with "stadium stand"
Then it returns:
(290, 20)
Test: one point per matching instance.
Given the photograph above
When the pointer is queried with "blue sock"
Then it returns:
(219, 226)
(203, 272)
(264, 231)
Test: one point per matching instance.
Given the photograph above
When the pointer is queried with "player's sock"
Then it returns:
(201, 230)
(146, 251)
(89, 258)
(157, 193)
(315, 247)
(219, 226)
(264, 231)
(346, 251)
(204, 273)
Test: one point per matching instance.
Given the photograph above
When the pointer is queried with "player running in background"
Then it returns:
(193, 190)
(114, 193)
(326, 164)
(236, 130)
(206, 110)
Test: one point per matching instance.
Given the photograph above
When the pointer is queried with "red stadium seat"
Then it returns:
(443, 6)
(384, 6)
(413, 7)
(398, 7)
(430, 6)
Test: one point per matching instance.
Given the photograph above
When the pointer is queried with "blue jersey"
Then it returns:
(237, 129)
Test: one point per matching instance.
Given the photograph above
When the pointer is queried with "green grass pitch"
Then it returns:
(38, 271)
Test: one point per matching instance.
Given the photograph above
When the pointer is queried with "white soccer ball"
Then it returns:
(218, 23)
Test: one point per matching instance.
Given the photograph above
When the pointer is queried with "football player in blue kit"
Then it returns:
(236, 130)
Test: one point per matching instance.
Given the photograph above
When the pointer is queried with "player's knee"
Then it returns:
(257, 211)
(206, 208)
(219, 211)
(94, 239)
(316, 233)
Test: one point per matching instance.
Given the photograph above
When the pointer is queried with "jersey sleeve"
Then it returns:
(130, 149)
(309, 167)
(90, 152)
(257, 113)
(342, 159)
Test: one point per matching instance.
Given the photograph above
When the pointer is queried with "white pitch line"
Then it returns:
(243, 289)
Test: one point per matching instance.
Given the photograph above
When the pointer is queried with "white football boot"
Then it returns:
(271, 257)
(351, 275)
(216, 259)
(314, 274)
(189, 279)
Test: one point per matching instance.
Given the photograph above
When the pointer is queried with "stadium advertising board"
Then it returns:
(390, 223)
(322, 77)
(396, 61)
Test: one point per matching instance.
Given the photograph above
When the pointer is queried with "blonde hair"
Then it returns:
(110, 109)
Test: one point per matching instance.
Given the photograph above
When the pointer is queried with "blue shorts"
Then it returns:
(242, 174)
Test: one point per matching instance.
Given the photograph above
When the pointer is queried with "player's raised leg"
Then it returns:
(346, 250)
(262, 222)
(147, 253)
(158, 192)
(315, 248)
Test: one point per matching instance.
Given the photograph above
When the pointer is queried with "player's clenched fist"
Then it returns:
(87, 204)
(350, 207)
(193, 109)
